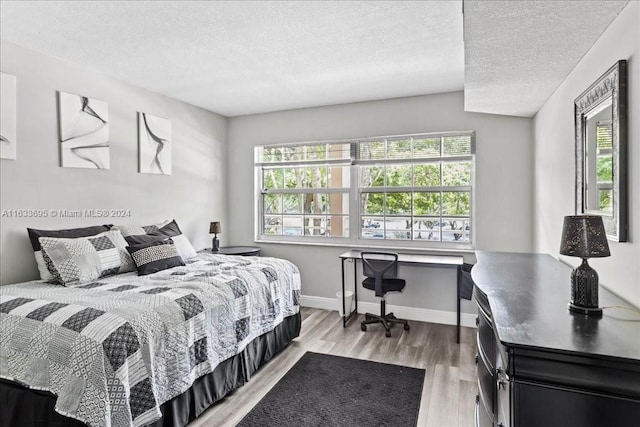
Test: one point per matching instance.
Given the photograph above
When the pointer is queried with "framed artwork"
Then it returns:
(84, 132)
(154, 144)
(8, 122)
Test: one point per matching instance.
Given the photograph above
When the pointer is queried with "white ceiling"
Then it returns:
(237, 58)
(518, 52)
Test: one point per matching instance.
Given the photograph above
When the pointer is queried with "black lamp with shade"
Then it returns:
(214, 228)
(584, 236)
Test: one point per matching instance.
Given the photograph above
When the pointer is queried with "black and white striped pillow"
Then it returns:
(155, 256)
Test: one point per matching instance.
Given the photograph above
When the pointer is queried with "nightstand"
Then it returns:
(235, 250)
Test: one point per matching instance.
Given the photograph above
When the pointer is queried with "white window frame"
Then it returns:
(355, 208)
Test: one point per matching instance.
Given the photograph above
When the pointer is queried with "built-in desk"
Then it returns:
(541, 365)
(426, 260)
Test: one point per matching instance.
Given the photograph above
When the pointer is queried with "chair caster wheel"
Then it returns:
(387, 333)
(363, 327)
(406, 327)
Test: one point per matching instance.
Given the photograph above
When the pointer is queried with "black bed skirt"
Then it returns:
(23, 407)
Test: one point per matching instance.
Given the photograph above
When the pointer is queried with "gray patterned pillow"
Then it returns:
(148, 233)
(155, 256)
(72, 261)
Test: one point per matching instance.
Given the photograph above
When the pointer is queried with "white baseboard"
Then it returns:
(409, 313)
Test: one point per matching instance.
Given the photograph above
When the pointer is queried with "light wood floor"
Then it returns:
(448, 396)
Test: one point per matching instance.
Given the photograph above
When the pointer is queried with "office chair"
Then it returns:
(381, 269)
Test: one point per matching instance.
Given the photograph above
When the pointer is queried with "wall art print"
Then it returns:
(8, 122)
(84, 132)
(154, 143)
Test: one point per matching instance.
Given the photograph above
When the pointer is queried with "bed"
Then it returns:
(129, 350)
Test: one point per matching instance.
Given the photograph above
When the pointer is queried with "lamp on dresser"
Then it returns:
(584, 236)
(215, 228)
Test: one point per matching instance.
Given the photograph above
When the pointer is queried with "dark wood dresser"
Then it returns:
(540, 365)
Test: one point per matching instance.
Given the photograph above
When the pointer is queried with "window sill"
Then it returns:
(361, 245)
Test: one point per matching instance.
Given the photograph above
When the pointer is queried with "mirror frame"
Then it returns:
(612, 84)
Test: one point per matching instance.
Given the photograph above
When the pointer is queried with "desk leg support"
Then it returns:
(459, 282)
(344, 310)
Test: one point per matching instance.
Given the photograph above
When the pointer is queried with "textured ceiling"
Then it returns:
(518, 52)
(238, 58)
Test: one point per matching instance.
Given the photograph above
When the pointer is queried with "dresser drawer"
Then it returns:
(482, 418)
(486, 385)
(486, 337)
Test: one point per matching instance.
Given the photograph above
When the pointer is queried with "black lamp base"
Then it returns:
(591, 312)
(215, 244)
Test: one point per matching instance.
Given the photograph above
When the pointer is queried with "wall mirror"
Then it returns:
(601, 151)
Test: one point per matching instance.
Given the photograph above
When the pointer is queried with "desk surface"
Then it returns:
(413, 258)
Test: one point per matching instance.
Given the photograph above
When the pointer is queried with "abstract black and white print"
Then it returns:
(84, 132)
(7, 116)
(154, 135)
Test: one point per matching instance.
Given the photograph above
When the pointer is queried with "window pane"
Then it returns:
(398, 175)
(426, 175)
(372, 150)
(339, 177)
(372, 203)
(292, 203)
(606, 200)
(292, 178)
(456, 173)
(398, 228)
(456, 203)
(316, 152)
(314, 203)
(272, 178)
(272, 203)
(272, 225)
(426, 229)
(338, 226)
(456, 230)
(314, 225)
(315, 177)
(338, 203)
(398, 204)
(456, 145)
(605, 168)
(292, 225)
(292, 153)
(426, 148)
(371, 176)
(426, 203)
(372, 228)
(400, 149)
(272, 154)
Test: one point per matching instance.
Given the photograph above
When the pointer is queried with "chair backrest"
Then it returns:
(380, 264)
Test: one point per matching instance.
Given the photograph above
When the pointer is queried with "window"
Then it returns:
(604, 165)
(412, 190)
(304, 190)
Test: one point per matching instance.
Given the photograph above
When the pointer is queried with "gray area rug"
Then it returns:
(325, 390)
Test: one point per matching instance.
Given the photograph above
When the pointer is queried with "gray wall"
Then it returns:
(554, 155)
(503, 179)
(195, 194)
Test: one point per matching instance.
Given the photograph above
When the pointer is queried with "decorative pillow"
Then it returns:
(164, 230)
(155, 256)
(72, 261)
(71, 233)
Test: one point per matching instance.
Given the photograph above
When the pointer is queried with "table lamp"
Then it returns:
(584, 236)
(214, 228)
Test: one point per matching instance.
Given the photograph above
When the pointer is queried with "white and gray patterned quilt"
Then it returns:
(115, 349)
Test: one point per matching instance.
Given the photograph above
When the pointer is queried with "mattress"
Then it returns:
(114, 350)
